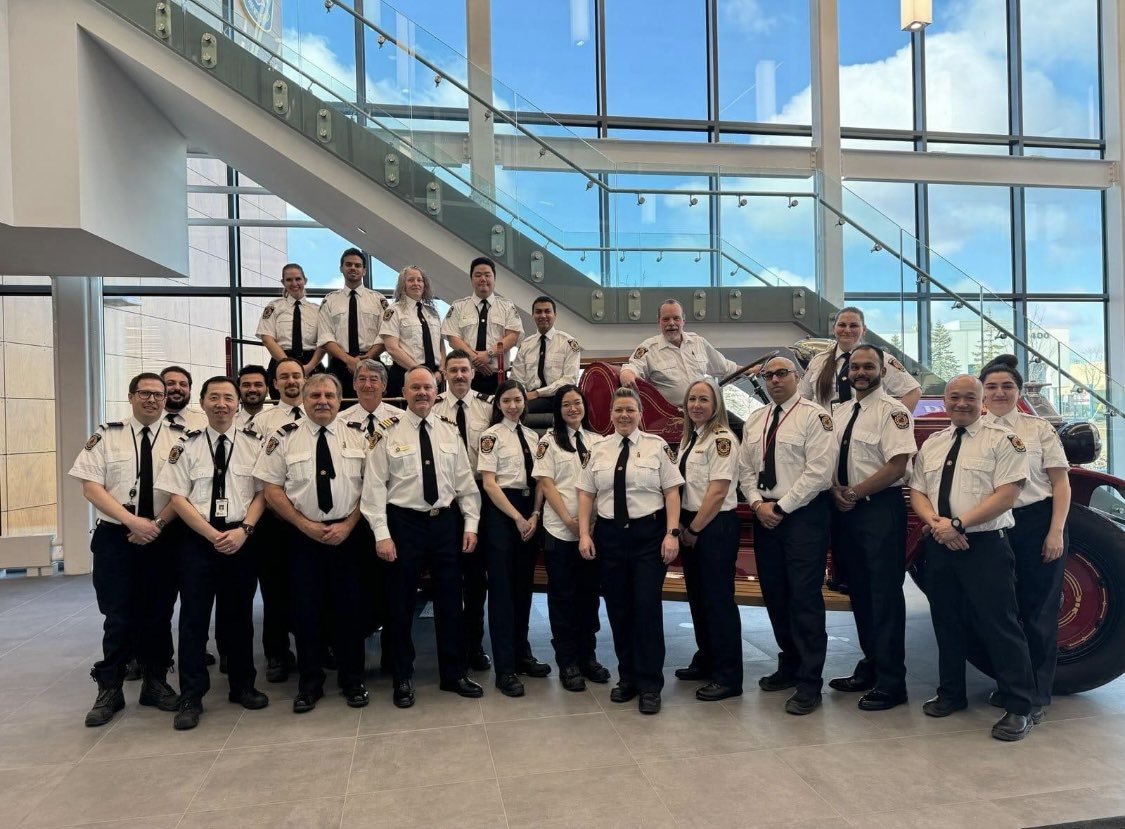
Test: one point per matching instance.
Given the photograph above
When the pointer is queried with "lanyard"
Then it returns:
(137, 457)
(222, 487)
(766, 425)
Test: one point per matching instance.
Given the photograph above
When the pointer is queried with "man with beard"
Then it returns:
(348, 325)
(177, 412)
(253, 388)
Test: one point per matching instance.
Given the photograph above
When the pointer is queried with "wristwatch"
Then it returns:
(160, 524)
(674, 532)
(957, 525)
(248, 529)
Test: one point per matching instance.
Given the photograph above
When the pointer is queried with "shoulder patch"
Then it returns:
(174, 455)
(487, 398)
(289, 427)
(390, 312)
(266, 314)
(388, 422)
(272, 444)
(722, 446)
(825, 422)
(487, 442)
(373, 439)
(541, 449)
(94, 439)
(574, 346)
(640, 352)
(1017, 444)
(900, 419)
(896, 364)
(671, 452)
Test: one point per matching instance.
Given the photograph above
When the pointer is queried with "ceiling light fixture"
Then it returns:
(916, 14)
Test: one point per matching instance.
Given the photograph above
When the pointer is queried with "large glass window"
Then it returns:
(875, 66)
(967, 67)
(1064, 240)
(885, 212)
(971, 229)
(1061, 94)
(770, 238)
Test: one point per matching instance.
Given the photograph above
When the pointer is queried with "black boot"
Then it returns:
(110, 700)
(156, 691)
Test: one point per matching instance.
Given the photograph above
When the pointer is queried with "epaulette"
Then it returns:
(354, 425)
(177, 427)
(438, 399)
(192, 433)
(447, 420)
(720, 429)
(113, 424)
(288, 427)
(249, 430)
(388, 422)
(487, 398)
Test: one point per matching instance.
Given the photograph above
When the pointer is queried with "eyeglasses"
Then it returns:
(150, 395)
(780, 373)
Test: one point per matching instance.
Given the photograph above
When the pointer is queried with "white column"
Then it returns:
(825, 70)
(1113, 78)
(478, 39)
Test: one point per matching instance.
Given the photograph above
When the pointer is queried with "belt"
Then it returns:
(644, 519)
(515, 490)
(1043, 504)
(433, 512)
(987, 533)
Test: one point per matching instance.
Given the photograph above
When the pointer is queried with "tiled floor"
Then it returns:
(551, 758)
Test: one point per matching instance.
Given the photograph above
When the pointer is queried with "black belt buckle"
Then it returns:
(526, 492)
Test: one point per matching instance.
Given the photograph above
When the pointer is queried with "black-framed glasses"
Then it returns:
(144, 394)
(780, 373)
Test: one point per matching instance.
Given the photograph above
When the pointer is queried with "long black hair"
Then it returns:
(561, 431)
(507, 385)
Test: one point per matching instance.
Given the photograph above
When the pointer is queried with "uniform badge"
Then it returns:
(900, 419)
(93, 441)
(540, 450)
(722, 446)
(174, 455)
(670, 452)
(826, 422)
(640, 352)
(266, 314)
(486, 443)
(390, 312)
(574, 346)
(1017, 444)
(896, 364)
(373, 440)
(272, 444)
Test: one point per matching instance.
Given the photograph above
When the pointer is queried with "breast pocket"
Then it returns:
(447, 458)
(697, 470)
(646, 472)
(866, 443)
(977, 474)
(405, 461)
(603, 474)
(119, 469)
(791, 448)
(353, 464)
(509, 460)
(299, 467)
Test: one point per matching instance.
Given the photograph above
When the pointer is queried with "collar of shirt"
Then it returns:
(787, 405)
(634, 437)
(457, 399)
(972, 428)
(869, 399)
(228, 434)
(549, 333)
(574, 433)
(289, 407)
(478, 300)
(363, 411)
(662, 342)
(152, 427)
(314, 427)
(1009, 420)
(291, 300)
(512, 425)
(414, 420)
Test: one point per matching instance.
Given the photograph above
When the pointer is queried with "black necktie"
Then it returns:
(218, 479)
(527, 461)
(144, 498)
(482, 327)
(542, 360)
(296, 413)
(767, 478)
(581, 447)
(370, 423)
(685, 453)
(843, 384)
(620, 504)
(427, 343)
(946, 485)
(325, 471)
(429, 474)
(353, 324)
(462, 427)
(845, 445)
(297, 338)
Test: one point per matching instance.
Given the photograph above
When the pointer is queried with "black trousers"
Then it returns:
(474, 589)
(977, 587)
(709, 579)
(633, 584)
(327, 574)
(511, 571)
(210, 578)
(340, 369)
(485, 383)
(791, 560)
(871, 541)
(135, 585)
(572, 601)
(303, 356)
(396, 379)
(541, 405)
(1038, 592)
(271, 554)
(434, 542)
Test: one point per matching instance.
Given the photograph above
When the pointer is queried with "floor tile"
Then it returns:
(682, 731)
(762, 715)
(950, 816)
(1065, 806)
(473, 805)
(433, 709)
(1102, 738)
(544, 698)
(578, 741)
(421, 758)
(42, 743)
(276, 723)
(148, 732)
(322, 813)
(23, 789)
(617, 796)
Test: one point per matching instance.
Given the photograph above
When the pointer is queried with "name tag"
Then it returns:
(221, 507)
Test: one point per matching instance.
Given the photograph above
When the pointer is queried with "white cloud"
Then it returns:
(748, 16)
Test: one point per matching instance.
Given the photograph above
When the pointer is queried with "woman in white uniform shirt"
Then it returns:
(405, 327)
(708, 461)
(278, 321)
(572, 581)
(1039, 539)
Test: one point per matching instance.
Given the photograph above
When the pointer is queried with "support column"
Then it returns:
(1113, 119)
(482, 147)
(825, 66)
(77, 310)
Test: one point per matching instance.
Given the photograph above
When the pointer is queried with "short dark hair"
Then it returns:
(457, 354)
(282, 362)
(144, 375)
(482, 260)
(180, 369)
(539, 299)
(214, 381)
(353, 252)
(253, 369)
(878, 351)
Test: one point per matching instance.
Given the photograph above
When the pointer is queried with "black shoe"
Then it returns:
(156, 691)
(305, 701)
(777, 681)
(802, 702)
(277, 669)
(404, 693)
(713, 692)
(187, 717)
(224, 663)
(530, 666)
(838, 586)
(851, 684)
(594, 671)
(649, 703)
(623, 692)
(250, 698)
(110, 700)
(509, 685)
(1037, 714)
(877, 700)
(133, 671)
(692, 674)
(464, 687)
(479, 661)
(996, 699)
(1012, 727)
(572, 679)
(357, 696)
(941, 707)
(208, 659)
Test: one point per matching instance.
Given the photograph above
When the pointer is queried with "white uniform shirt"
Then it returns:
(393, 473)
(713, 458)
(243, 418)
(478, 413)
(673, 369)
(804, 458)
(401, 320)
(270, 420)
(358, 414)
(501, 453)
(190, 470)
(187, 418)
(649, 472)
(559, 367)
(112, 458)
(277, 322)
(461, 321)
(289, 460)
(1044, 451)
(990, 457)
(897, 382)
(882, 430)
(564, 468)
(332, 322)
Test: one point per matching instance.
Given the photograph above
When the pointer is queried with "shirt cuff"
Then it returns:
(382, 532)
(471, 525)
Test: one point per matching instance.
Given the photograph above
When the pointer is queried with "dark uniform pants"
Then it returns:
(511, 571)
(871, 541)
(332, 574)
(271, 555)
(791, 560)
(210, 578)
(340, 369)
(474, 589)
(136, 589)
(709, 579)
(977, 587)
(485, 383)
(1038, 592)
(422, 541)
(396, 380)
(572, 601)
(633, 584)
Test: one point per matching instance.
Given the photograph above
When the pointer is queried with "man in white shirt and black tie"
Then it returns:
(547, 360)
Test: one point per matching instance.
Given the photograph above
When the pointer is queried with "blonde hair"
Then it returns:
(427, 289)
(718, 416)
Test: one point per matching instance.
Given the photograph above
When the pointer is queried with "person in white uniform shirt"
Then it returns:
(348, 322)
(547, 360)
(178, 411)
(288, 325)
(1039, 537)
(370, 382)
(965, 481)
(253, 389)
(411, 329)
(572, 581)
(484, 325)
